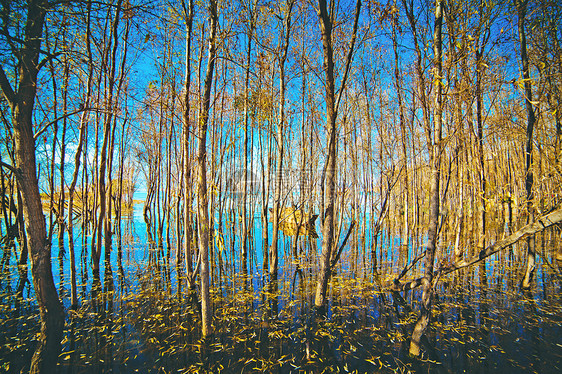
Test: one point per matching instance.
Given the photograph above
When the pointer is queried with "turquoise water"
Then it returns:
(147, 322)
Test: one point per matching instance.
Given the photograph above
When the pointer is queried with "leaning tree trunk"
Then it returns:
(532, 228)
(21, 103)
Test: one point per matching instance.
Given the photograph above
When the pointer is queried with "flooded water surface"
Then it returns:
(144, 319)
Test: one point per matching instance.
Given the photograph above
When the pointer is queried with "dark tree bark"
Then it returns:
(105, 156)
(21, 104)
(531, 119)
(186, 169)
(330, 167)
(245, 227)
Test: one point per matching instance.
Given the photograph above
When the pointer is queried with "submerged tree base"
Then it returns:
(475, 327)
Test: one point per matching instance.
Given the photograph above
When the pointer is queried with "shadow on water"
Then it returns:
(139, 320)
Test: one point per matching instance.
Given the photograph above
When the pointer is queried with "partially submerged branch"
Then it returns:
(408, 267)
(335, 259)
(528, 230)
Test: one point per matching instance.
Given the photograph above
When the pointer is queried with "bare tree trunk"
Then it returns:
(202, 198)
(186, 169)
(330, 167)
(277, 205)
(330, 175)
(22, 104)
(398, 87)
(521, 13)
(432, 231)
(480, 136)
(77, 157)
(483, 35)
(105, 156)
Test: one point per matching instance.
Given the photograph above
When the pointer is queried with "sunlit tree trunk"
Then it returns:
(483, 35)
(330, 173)
(245, 227)
(77, 158)
(202, 197)
(432, 232)
(403, 134)
(277, 204)
(521, 14)
(326, 24)
(186, 169)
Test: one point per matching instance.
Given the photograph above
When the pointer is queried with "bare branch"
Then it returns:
(335, 260)
(46, 126)
(350, 53)
(6, 87)
(528, 230)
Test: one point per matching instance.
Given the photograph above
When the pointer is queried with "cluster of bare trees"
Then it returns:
(435, 123)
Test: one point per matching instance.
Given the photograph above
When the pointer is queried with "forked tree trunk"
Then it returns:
(330, 167)
(432, 232)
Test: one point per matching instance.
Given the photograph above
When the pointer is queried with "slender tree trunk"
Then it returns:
(277, 204)
(245, 226)
(77, 158)
(61, 208)
(398, 87)
(330, 166)
(72, 187)
(432, 232)
(105, 156)
(202, 198)
(480, 135)
(521, 13)
(483, 32)
(330, 172)
(186, 170)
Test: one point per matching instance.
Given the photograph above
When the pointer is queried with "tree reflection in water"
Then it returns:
(138, 320)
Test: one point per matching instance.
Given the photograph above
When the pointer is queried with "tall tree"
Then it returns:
(435, 159)
(531, 119)
(277, 206)
(21, 95)
(332, 103)
(202, 198)
(186, 169)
